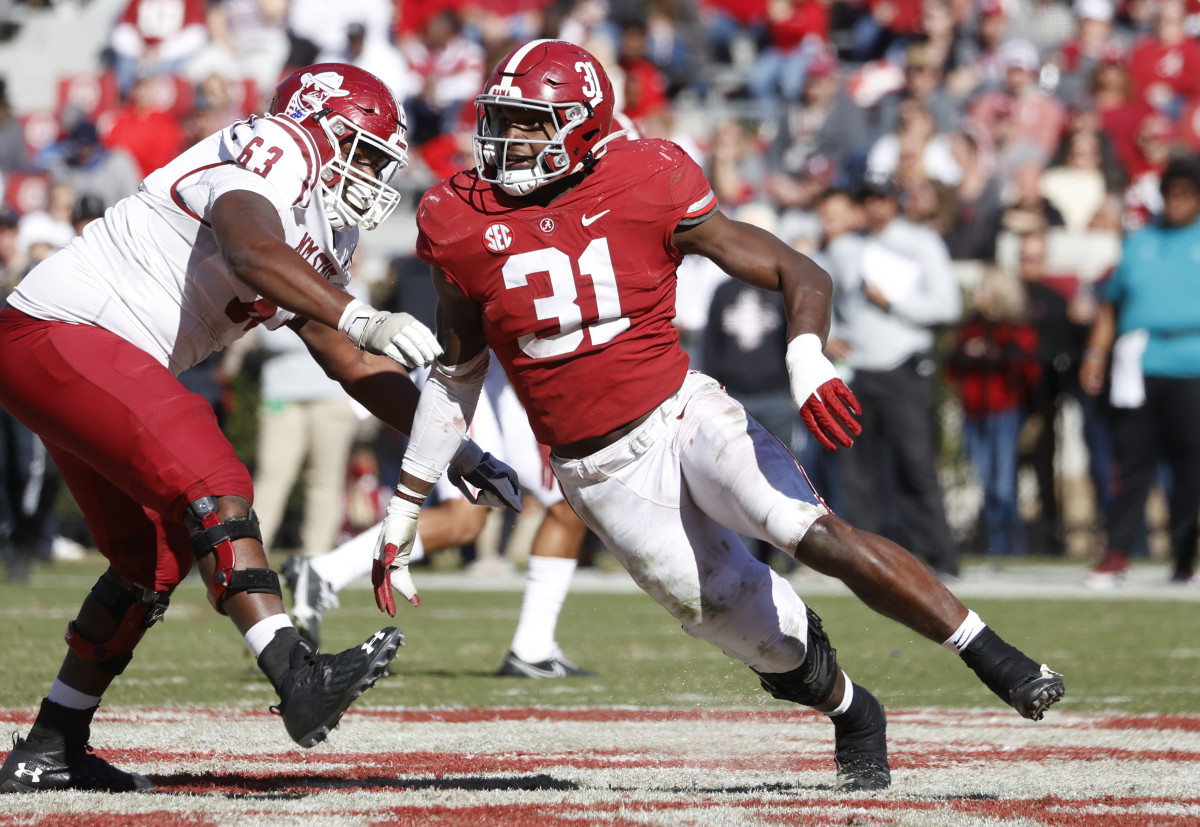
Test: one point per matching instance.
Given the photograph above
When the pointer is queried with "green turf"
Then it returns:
(1117, 655)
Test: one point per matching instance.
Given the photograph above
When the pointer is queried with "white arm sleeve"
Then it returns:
(446, 409)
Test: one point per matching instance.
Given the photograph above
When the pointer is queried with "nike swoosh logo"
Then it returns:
(589, 220)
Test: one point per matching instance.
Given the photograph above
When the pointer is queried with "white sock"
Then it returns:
(261, 633)
(546, 586)
(352, 559)
(70, 697)
(847, 700)
(967, 632)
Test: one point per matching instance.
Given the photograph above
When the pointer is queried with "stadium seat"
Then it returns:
(26, 191)
(40, 128)
(90, 93)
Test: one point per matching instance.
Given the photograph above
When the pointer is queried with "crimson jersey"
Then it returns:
(577, 296)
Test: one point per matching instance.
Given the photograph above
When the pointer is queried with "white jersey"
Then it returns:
(151, 271)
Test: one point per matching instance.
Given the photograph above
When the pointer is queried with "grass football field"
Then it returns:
(669, 731)
(1136, 655)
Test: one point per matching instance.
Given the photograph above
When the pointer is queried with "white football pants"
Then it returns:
(669, 501)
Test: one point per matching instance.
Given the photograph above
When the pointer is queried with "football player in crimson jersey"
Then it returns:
(558, 251)
(254, 225)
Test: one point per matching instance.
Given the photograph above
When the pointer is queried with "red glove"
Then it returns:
(825, 403)
(393, 548)
(825, 414)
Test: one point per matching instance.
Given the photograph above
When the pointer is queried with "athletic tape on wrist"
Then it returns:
(354, 320)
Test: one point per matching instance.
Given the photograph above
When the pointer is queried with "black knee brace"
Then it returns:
(812, 682)
(135, 609)
(215, 536)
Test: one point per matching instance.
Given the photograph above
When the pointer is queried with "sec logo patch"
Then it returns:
(497, 238)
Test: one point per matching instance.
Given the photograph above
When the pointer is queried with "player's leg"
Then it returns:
(745, 479)
(701, 572)
(894, 583)
(135, 446)
(534, 652)
(101, 638)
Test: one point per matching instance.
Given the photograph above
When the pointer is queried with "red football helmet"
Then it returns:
(348, 111)
(556, 82)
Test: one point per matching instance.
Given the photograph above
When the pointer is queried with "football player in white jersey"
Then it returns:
(254, 225)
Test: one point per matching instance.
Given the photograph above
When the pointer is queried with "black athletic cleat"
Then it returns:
(1016, 679)
(1033, 695)
(61, 763)
(555, 666)
(318, 688)
(861, 745)
(311, 596)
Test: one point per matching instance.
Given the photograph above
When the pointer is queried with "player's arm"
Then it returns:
(758, 258)
(440, 424)
(254, 247)
(253, 244)
(451, 393)
(380, 384)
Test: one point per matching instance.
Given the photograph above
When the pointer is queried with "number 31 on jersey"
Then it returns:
(595, 263)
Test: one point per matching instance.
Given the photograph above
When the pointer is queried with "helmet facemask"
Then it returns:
(551, 161)
(350, 196)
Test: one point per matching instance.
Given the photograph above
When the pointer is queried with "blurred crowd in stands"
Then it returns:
(1017, 141)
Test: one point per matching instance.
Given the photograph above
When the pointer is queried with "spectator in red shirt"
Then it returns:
(994, 367)
(1165, 66)
(1157, 141)
(797, 32)
(150, 133)
(645, 84)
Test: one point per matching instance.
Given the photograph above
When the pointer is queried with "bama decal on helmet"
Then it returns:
(313, 93)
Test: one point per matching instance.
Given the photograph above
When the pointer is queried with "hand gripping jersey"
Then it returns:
(150, 270)
(577, 296)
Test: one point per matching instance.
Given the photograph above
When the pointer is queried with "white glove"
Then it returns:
(398, 336)
(496, 483)
(393, 548)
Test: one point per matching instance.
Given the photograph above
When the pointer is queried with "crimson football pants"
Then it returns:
(132, 443)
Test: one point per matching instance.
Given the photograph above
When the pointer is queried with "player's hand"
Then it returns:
(393, 548)
(825, 403)
(497, 485)
(400, 337)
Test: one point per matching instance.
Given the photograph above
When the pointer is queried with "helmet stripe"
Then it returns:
(517, 56)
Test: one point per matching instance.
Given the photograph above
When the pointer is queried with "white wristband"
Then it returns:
(807, 366)
(354, 320)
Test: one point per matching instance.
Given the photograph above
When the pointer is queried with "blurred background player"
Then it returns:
(500, 424)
